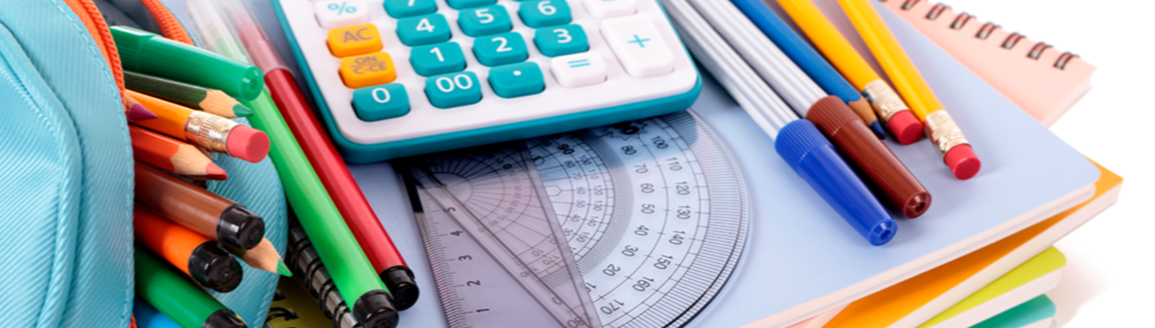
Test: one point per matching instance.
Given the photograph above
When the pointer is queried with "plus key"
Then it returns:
(636, 43)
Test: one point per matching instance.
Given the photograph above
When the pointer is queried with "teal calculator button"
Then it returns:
(421, 30)
(381, 102)
(561, 40)
(462, 4)
(437, 58)
(516, 80)
(453, 89)
(542, 13)
(410, 8)
(500, 49)
(485, 20)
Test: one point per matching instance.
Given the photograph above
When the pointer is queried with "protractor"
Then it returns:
(653, 211)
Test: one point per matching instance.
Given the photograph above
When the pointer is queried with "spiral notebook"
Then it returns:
(1043, 81)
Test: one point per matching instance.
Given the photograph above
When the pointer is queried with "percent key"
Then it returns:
(341, 13)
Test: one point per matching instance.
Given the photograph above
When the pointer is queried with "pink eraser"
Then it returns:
(247, 143)
(905, 127)
(962, 162)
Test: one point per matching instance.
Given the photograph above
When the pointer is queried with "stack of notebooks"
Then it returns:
(981, 257)
(1001, 284)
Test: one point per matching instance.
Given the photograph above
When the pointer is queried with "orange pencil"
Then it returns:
(134, 111)
(208, 131)
(173, 155)
(192, 253)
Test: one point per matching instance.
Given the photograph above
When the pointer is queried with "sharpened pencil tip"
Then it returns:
(242, 111)
(283, 270)
(876, 127)
(136, 112)
(215, 172)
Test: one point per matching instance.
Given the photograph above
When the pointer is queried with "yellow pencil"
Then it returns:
(946, 135)
(905, 126)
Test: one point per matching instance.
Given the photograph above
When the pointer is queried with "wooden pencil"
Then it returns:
(265, 257)
(134, 111)
(213, 101)
(173, 155)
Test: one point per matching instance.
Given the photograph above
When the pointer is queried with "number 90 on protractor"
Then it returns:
(650, 216)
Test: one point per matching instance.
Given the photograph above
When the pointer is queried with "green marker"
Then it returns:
(152, 54)
(339, 251)
(342, 256)
(172, 294)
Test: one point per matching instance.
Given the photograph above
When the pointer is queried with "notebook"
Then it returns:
(1038, 275)
(1042, 80)
(1036, 313)
(918, 299)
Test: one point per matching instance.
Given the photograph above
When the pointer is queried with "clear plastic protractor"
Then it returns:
(653, 210)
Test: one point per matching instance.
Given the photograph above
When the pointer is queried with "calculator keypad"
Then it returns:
(364, 67)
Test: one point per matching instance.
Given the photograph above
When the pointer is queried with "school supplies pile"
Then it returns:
(780, 80)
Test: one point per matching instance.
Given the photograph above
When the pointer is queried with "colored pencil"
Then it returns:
(352, 273)
(173, 155)
(941, 129)
(265, 257)
(196, 256)
(345, 192)
(209, 100)
(889, 106)
(198, 209)
(179, 299)
(797, 141)
(832, 116)
(208, 131)
(134, 111)
(809, 60)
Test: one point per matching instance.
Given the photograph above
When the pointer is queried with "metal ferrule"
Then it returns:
(208, 131)
(884, 100)
(943, 131)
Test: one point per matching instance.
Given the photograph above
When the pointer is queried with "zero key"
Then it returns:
(636, 43)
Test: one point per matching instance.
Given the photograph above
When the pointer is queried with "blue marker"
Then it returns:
(809, 60)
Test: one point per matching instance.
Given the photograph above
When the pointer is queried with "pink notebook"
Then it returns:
(1039, 79)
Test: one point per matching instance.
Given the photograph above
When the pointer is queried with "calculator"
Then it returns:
(396, 78)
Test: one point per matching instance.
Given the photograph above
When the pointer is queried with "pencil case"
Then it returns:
(66, 182)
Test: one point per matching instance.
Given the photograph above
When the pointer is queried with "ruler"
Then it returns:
(651, 216)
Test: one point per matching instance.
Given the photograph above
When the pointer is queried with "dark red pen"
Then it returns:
(331, 168)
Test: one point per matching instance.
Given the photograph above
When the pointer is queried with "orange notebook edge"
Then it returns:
(931, 292)
(1027, 72)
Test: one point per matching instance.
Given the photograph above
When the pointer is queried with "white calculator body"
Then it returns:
(395, 78)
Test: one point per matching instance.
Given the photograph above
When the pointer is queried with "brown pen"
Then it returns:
(198, 209)
(901, 189)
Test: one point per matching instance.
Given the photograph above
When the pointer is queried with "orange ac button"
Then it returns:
(366, 70)
(354, 40)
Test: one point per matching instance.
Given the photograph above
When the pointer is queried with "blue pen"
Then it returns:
(797, 141)
(809, 60)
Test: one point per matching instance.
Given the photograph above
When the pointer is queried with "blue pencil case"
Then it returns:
(66, 184)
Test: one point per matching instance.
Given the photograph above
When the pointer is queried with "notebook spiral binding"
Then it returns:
(985, 31)
(310, 273)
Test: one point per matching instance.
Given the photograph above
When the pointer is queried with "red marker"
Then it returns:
(333, 172)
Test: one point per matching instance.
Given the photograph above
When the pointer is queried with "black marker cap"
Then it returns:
(399, 280)
(240, 228)
(224, 318)
(375, 310)
(214, 268)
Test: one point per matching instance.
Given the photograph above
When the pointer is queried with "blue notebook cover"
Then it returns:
(799, 250)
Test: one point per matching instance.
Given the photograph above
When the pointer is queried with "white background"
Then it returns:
(1108, 281)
